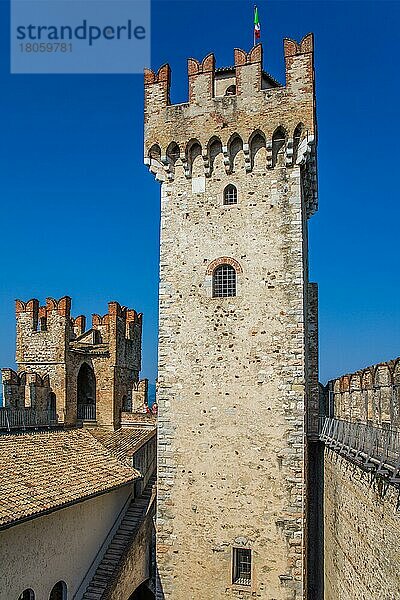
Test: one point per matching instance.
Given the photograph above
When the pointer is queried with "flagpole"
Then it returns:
(254, 29)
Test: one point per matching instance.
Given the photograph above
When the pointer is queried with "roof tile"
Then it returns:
(47, 470)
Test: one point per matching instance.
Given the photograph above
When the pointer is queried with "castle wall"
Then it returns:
(362, 531)
(371, 395)
(68, 540)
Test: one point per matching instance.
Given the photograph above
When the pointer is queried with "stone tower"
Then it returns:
(82, 375)
(238, 367)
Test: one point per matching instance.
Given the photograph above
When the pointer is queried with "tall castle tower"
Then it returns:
(238, 367)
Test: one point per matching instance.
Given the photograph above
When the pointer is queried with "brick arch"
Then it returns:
(224, 260)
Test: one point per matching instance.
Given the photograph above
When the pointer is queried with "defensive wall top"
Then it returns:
(40, 317)
(232, 99)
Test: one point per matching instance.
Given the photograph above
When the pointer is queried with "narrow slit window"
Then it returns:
(242, 566)
(230, 195)
(224, 281)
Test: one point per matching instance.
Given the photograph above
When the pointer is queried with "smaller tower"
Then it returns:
(83, 376)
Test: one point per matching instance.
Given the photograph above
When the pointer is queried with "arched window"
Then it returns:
(278, 143)
(257, 146)
(230, 195)
(59, 591)
(235, 145)
(86, 389)
(173, 153)
(155, 152)
(27, 595)
(193, 151)
(214, 148)
(224, 281)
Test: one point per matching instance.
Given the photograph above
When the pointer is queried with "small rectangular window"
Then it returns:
(242, 566)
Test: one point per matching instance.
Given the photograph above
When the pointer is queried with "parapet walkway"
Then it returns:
(373, 449)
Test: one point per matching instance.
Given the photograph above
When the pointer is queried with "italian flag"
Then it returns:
(257, 28)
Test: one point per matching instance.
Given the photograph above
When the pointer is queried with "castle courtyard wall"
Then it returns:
(58, 546)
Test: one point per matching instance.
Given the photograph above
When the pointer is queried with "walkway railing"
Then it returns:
(24, 418)
(86, 412)
(374, 449)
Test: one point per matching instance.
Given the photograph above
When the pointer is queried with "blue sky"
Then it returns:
(80, 213)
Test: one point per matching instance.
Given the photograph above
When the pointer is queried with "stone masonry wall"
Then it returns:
(362, 531)
(232, 371)
(370, 395)
(52, 347)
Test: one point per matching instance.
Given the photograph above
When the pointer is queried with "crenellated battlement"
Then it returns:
(25, 389)
(368, 395)
(233, 112)
(33, 317)
(247, 74)
(47, 333)
(37, 317)
(128, 319)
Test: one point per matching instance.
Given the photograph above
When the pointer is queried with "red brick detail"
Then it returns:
(193, 66)
(206, 66)
(79, 324)
(163, 75)
(98, 320)
(307, 43)
(32, 306)
(42, 312)
(240, 57)
(62, 306)
(162, 82)
(195, 69)
(224, 260)
(116, 310)
(149, 76)
(291, 47)
(243, 58)
(255, 55)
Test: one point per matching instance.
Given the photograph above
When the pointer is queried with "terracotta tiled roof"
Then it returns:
(124, 442)
(40, 472)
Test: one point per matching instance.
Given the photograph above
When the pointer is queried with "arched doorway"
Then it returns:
(142, 593)
(59, 591)
(86, 394)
